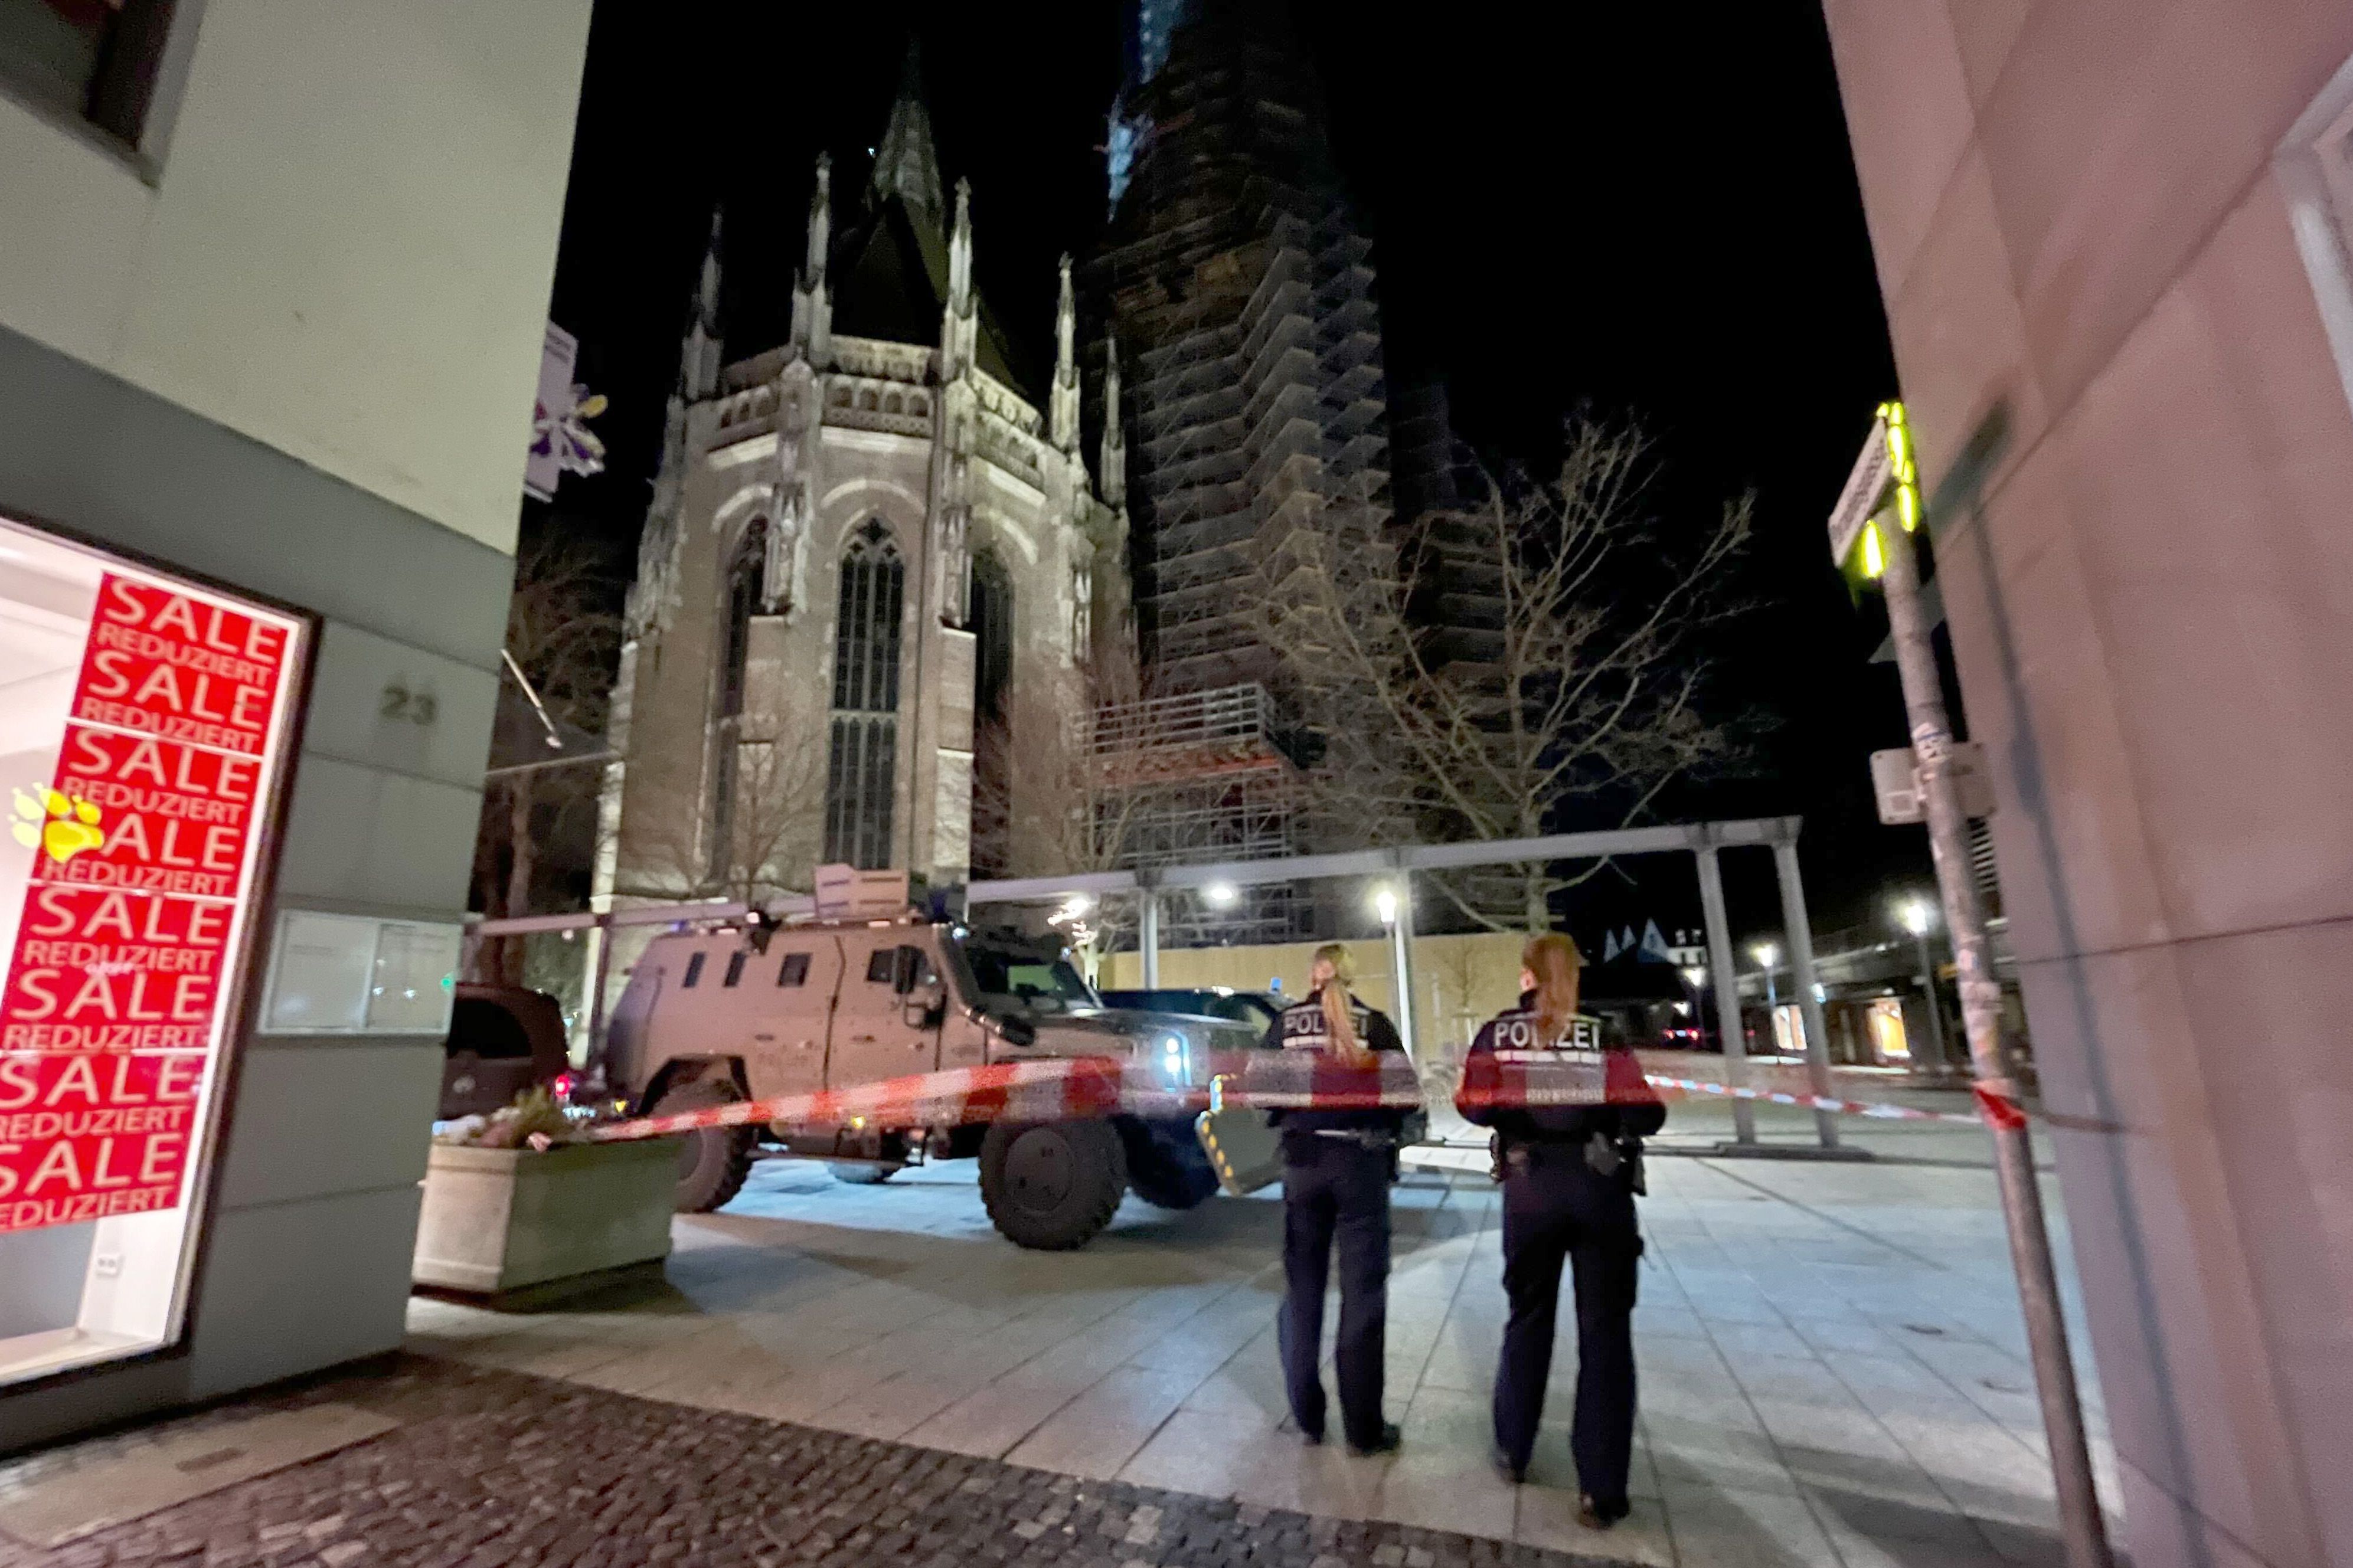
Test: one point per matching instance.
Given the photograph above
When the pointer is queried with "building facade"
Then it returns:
(2113, 239)
(869, 549)
(262, 428)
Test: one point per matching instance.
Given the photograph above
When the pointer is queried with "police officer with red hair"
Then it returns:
(1570, 1171)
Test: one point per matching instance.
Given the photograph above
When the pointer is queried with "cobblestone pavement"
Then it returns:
(493, 1467)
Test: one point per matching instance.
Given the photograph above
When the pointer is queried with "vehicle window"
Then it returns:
(914, 969)
(1033, 977)
(1244, 1010)
(735, 969)
(487, 1029)
(693, 970)
(794, 971)
(882, 966)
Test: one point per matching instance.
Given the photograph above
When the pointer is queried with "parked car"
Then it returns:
(1257, 1008)
(503, 1040)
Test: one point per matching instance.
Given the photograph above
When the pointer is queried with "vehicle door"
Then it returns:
(787, 1000)
(962, 1042)
(883, 1026)
(1244, 1148)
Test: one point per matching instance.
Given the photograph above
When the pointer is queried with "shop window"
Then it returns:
(97, 60)
(125, 960)
(1889, 1043)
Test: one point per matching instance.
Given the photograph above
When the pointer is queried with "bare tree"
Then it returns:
(1065, 777)
(562, 633)
(762, 840)
(1536, 657)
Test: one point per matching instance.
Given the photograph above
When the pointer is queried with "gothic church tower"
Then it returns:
(862, 541)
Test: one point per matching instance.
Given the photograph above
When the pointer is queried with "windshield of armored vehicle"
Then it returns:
(1039, 980)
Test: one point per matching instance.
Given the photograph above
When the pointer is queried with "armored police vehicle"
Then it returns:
(753, 1010)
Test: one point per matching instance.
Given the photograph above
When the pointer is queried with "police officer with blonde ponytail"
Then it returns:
(1569, 1172)
(1337, 1165)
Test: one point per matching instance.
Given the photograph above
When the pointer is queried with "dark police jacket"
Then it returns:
(1302, 1027)
(1634, 1107)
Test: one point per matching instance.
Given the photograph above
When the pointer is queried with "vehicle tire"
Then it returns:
(864, 1173)
(1164, 1173)
(1052, 1185)
(715, 1159)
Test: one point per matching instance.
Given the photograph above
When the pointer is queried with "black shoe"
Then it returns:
(1511, 1474)
(1601, 1515)
(1392, 1436)
(1312, 1439)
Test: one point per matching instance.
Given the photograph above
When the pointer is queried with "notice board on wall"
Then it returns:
(143, 751)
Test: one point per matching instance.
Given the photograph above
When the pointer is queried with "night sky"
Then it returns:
(1641, 209)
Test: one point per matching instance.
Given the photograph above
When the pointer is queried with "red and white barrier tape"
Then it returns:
(1879, 1111)
(1069, 1089)
(1058, 1090)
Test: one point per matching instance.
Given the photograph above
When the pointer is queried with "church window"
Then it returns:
(743, 577)
(839, 397)
(868, 400)
(992, 633)
(992, 636)
(893, 404)
(745, 574)
(862, 767)
(918, 403)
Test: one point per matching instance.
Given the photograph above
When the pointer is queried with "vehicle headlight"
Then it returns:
(1175, 1062)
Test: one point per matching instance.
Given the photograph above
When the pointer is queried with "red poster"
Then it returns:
(141, 846)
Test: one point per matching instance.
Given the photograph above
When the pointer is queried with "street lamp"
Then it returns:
(1769, 955)
(1220, 895)
(1395, 907)
(1916, 918)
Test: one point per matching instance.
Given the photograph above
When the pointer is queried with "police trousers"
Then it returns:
(1335, 1192)
(1557, 1208)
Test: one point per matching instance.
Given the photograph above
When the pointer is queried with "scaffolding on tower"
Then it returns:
(1202, 776)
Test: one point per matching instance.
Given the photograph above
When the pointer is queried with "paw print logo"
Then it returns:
(64, 824)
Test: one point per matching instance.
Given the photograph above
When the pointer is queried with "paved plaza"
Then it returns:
(1832, 1366)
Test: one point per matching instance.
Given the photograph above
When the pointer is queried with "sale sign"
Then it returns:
(143, 839)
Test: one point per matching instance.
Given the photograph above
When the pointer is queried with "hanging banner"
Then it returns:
(141, 787)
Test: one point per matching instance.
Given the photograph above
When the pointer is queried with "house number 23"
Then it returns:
(399, 702)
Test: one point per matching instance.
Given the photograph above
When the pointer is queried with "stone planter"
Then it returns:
(497, 1220)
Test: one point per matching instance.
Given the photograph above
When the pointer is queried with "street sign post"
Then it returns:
(1939, 792)
(1865, 491)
